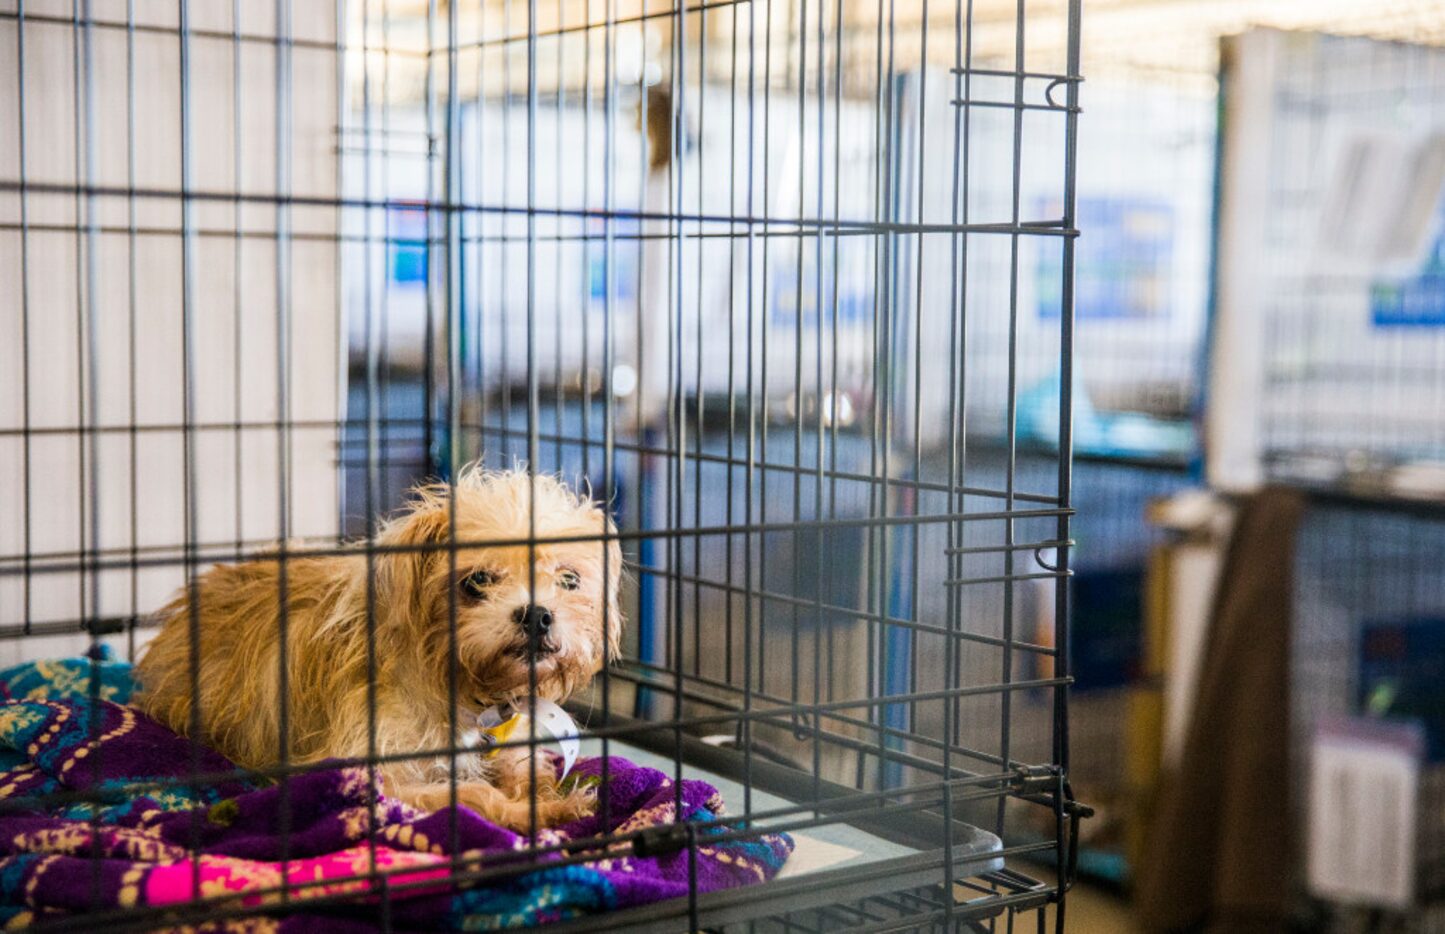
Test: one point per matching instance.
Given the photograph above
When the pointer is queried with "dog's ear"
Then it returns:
(615, 618)
(413, 541)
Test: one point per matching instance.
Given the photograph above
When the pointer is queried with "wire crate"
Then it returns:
(1338, 295)
(718, 268)
(1367, 642)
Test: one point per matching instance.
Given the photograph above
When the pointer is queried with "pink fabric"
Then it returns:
(174, 883)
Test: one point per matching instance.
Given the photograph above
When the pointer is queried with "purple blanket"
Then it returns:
(150, 841)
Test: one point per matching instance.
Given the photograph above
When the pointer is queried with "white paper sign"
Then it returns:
(1364, 793)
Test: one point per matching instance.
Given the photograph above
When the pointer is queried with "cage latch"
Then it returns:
(661, 841)
(1036, 779)
(107, 626)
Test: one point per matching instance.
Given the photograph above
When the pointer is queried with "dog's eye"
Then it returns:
(477, 582)
(568, 579)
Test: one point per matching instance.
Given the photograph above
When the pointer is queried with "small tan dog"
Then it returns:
(504, 626)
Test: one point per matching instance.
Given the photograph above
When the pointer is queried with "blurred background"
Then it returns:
(1259, 400)
(1258, 600)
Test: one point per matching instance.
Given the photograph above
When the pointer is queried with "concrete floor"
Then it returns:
(1097, 911)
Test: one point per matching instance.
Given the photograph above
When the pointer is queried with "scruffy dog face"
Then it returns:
(542, 612)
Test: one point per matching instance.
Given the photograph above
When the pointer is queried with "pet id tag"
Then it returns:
(498, 724)
(555, 720)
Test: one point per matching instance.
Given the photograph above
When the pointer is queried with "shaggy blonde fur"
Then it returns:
(414, 586)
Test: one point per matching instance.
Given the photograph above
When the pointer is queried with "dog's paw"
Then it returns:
(576, 803)
(548, 810)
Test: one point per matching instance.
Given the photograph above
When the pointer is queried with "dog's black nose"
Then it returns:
(536, 621)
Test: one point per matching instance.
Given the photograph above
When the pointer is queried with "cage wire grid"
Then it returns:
(1354, 99)
(1365, 596)
(274, 264)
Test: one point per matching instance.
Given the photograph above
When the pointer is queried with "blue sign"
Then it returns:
(408, 243)
(854, 305)
(1122, 264)
(626, 246)
(1417, 300)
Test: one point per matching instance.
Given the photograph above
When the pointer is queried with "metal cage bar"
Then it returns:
(719, 277)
